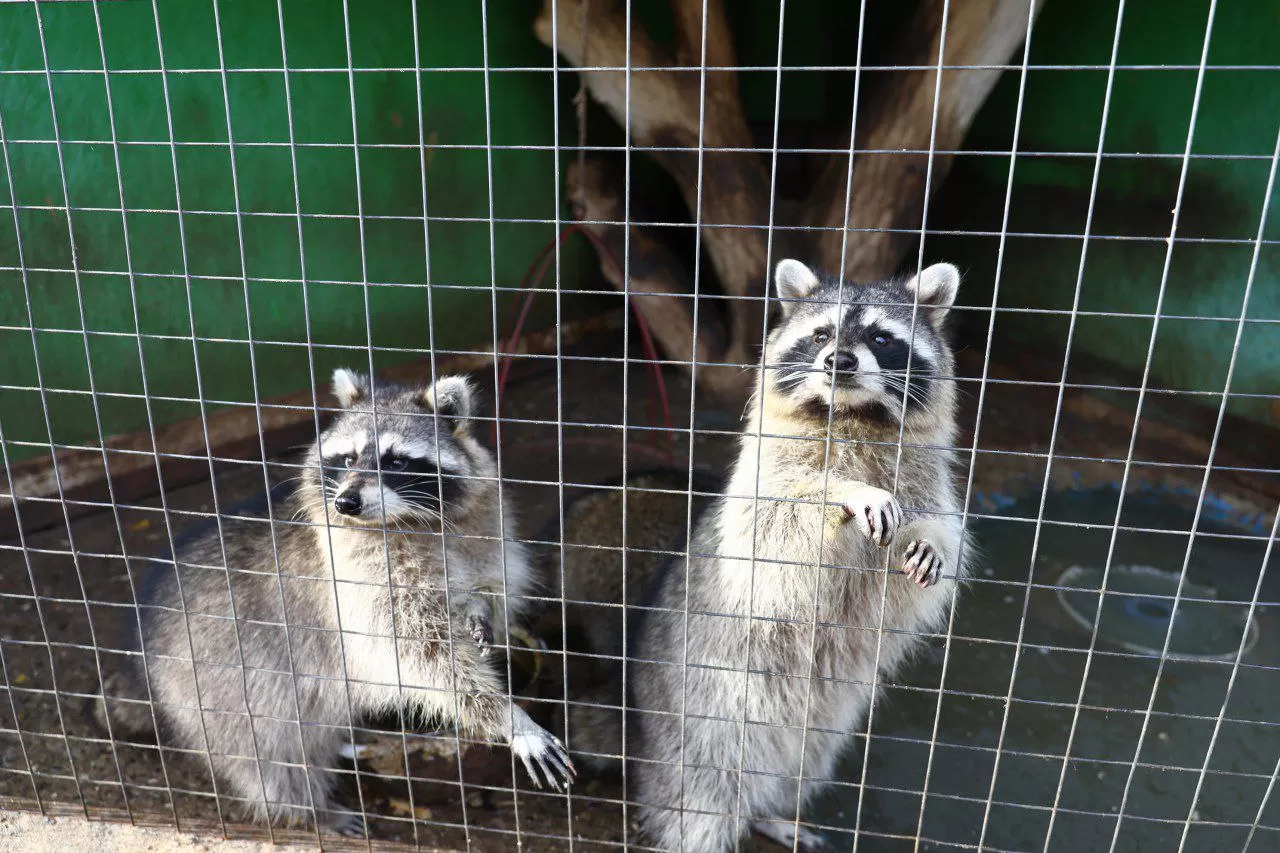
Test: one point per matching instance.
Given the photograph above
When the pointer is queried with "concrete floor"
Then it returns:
(61, 760)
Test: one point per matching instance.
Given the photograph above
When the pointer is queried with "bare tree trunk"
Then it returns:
(660, 286)
(665, 110)
(888, 189)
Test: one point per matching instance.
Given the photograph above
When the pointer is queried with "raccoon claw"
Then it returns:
(532, 743)
(350, 826)
(922, 563)
(789, 835)
(481, 630)
(876, 513)
(353, 751)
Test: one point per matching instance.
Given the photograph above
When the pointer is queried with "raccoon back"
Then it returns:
(597, 572)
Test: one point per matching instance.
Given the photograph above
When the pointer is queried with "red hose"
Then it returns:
(533, 280)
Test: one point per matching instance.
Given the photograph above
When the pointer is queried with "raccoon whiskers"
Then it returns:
(900, 385)
(288, 480)
(308, 506)
(793, 381)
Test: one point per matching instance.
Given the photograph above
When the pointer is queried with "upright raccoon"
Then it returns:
(346, 613)
(788, 617)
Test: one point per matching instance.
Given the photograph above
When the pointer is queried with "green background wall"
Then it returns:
(1235, 138)
(1239, 115)
(386, 110)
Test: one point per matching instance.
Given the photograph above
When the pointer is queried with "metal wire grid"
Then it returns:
(175, 518)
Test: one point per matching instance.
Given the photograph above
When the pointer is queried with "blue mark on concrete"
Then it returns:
(1215, 507)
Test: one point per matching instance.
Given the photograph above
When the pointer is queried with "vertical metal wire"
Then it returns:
(1271, 785)
(1266, 557)
(204, 424)
(1128, 463)
(693, 408)
(1057, 418)
(973, 463)
(4, 667)
(973, 457)
(257, 412)
(559, 368)
(1217, 429)
(759, 437)
(1235, 669)
(311, 369)
(497, 384)
(93, 399)
(902, 414)
(373, 407)
(819, 568)
(127, 245)
(435, 374)
(626, 403)
(35, 588)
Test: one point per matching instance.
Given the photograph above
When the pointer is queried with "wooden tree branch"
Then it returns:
(719, 39)
(660, 286)
(888, 189)
(663, 111)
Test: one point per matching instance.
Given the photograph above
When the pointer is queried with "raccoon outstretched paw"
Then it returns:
(481, 630)
(876, 513)
(535, 745)
(791, 836)
(349, 825)
(922, 563)
(353, 751)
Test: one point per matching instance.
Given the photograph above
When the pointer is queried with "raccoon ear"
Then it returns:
(935, 288)
(454, 398)
(349, 387)
(793, 280)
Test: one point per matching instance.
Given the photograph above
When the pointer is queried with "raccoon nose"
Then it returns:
(844, 362)
(347, 503)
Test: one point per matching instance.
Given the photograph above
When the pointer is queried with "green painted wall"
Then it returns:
(386, 109)
(1239, 115)
(1235, 137)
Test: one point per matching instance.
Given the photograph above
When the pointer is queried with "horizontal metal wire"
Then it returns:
(688, 69)
(860, 735)
(1044, 479)
(481, 220)
(610, 149)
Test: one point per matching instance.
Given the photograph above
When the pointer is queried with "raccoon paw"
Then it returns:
(481, 630)
(795, 838)
(876, 512)
(532, 743)
(922, 563)
(349, 825)
(353, 751)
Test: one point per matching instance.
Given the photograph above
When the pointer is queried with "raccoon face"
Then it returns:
(412, 466)
(851, 349)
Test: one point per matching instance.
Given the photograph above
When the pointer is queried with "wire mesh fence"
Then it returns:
(709, 549)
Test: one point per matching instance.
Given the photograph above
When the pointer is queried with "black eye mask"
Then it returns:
(418, 482)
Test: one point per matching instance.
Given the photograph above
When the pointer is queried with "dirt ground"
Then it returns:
(50, 662)
(32, 833)
(53, 758)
